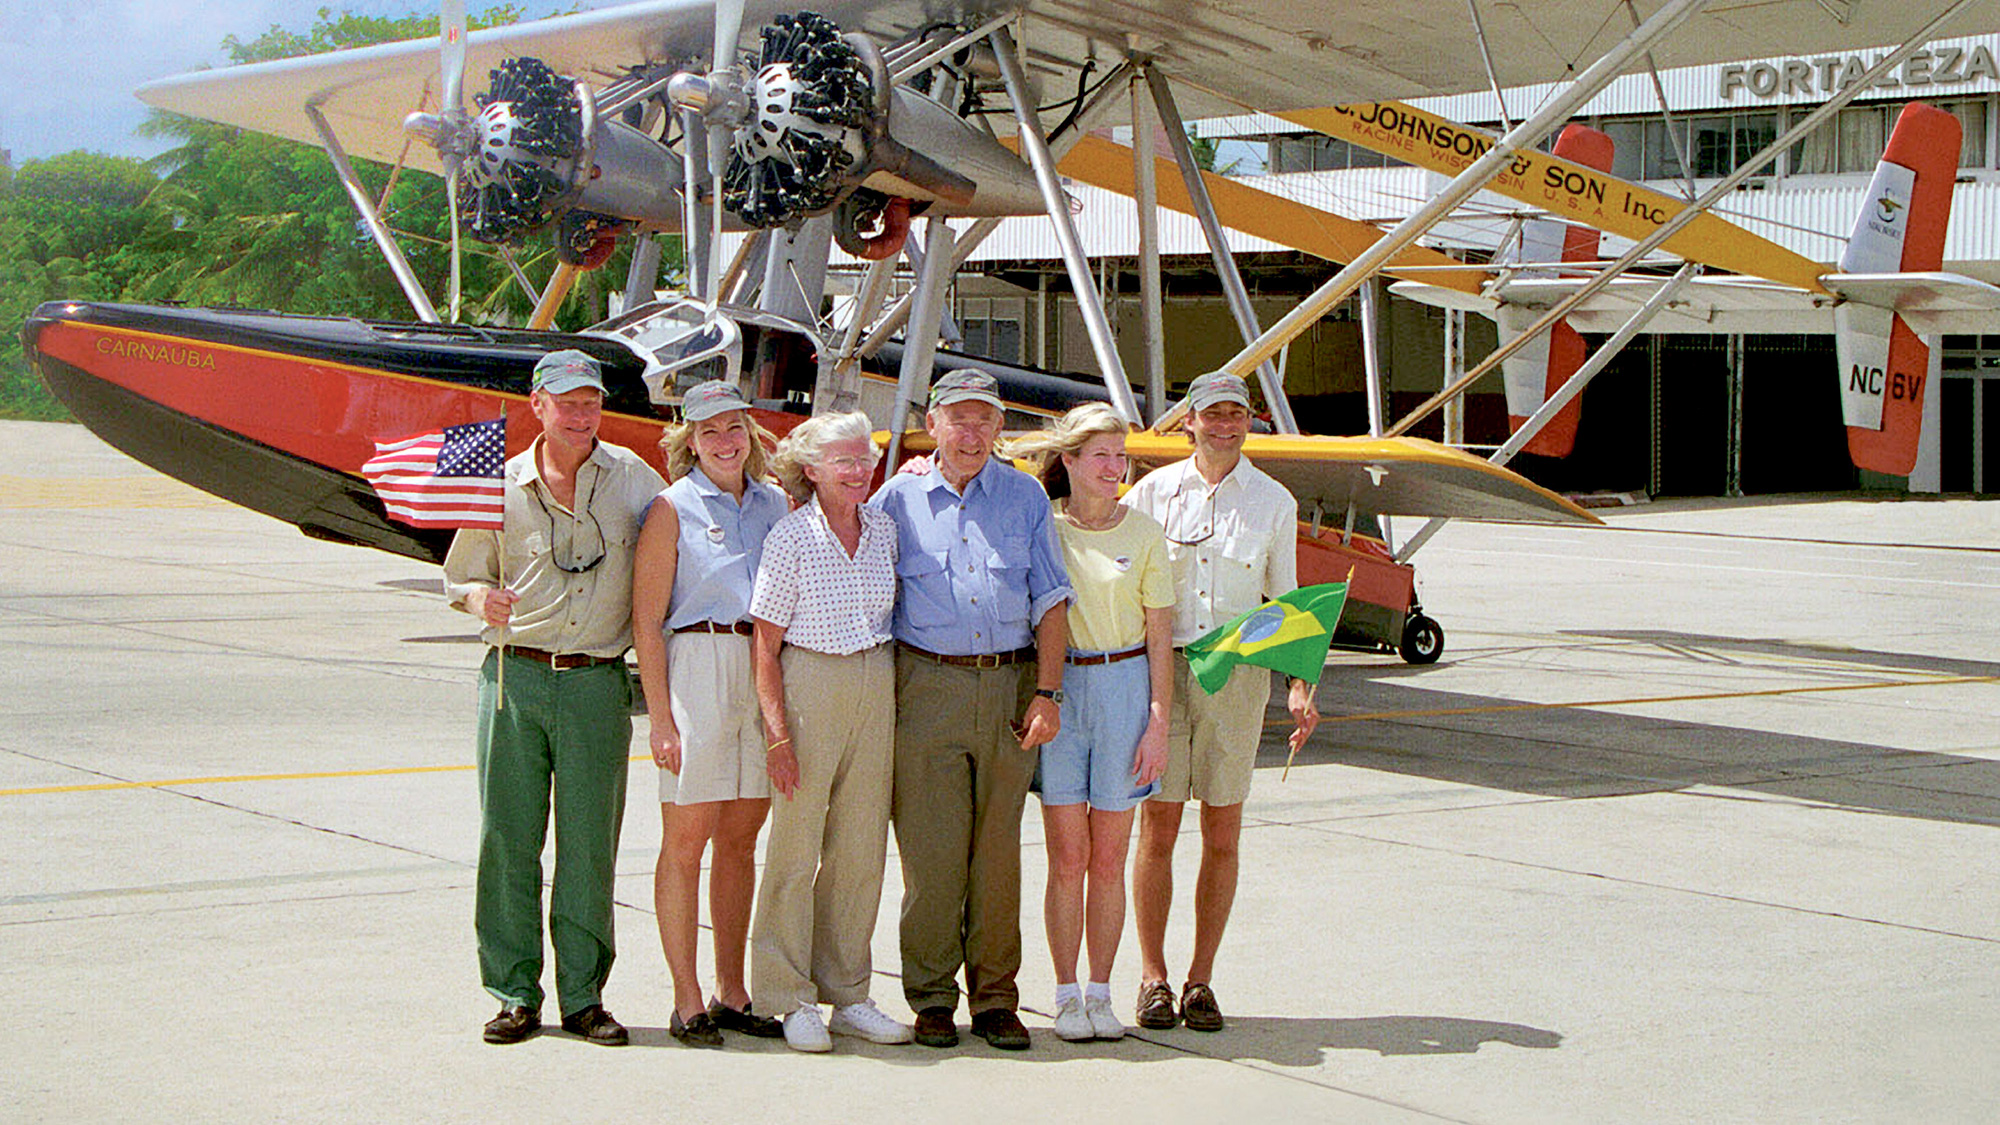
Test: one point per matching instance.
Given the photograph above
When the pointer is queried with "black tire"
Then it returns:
(1423, 640)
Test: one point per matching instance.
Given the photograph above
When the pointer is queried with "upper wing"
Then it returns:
(1930, 302)
(1383, 476)
(1275, 55)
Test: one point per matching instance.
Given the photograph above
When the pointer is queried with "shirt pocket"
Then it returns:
(522, 550)
(1008, 563)
(925, 590)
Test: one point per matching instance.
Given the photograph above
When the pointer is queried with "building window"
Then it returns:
(991, 327)
(1309, 153)
(1856, 137)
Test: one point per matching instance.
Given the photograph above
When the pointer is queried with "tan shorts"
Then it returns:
(713, 695)
(1212, 740)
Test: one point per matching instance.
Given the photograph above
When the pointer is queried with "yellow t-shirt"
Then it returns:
(1117, 575)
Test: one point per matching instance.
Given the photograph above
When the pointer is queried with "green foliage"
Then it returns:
(225, 217)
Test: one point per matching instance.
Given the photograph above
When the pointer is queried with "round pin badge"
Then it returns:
(1122, 562)
(715, 534)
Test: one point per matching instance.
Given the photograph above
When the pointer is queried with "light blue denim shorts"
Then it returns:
(1103, 714)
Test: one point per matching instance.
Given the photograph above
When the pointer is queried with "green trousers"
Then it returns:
(568, 735)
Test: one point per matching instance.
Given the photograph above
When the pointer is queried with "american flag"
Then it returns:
(454, 477)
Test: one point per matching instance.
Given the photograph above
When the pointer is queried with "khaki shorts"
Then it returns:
(1212, 740)
(713, 696)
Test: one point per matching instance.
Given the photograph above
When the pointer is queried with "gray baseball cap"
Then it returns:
(706, 400)
(1217, 386)
(958, 386)
(567, 370)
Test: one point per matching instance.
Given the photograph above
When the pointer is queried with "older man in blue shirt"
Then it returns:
(981, 627)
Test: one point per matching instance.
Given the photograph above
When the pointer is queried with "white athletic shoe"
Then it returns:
(804, 1031)
(1103, 1023)
(1071, 1022)
(866, 1021)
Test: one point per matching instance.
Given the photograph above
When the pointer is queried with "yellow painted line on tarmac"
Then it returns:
(386, 771)
(1370, 716)
(1492, 709)
(101, 492)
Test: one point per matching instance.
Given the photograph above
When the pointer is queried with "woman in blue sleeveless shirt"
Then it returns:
(692, 579)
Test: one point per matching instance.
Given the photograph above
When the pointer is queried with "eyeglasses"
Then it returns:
(1175, 526)
(574, 567)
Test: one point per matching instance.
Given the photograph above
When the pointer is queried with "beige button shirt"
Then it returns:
(588, 612)
(1233, 547)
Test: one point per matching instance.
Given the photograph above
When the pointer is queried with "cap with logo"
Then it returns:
(965, 385)
(1217, 386)
(706, 400)
(567, 370)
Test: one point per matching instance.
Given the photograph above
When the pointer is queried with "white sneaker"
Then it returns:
(1103, 1023)
(804, 1031)
(866, 1021)
(1071, 1022)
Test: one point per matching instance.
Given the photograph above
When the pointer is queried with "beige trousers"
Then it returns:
(961, 781)
(828, 841)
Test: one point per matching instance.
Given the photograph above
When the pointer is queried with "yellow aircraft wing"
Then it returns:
(1567, 189)
(1323, 234)
(1384, 476)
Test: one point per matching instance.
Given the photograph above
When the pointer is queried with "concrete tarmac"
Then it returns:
(1697, 819)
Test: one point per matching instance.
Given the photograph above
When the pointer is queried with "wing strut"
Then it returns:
(1152, 328)
(1462, 187)
(1571, 388)
(398, 265)
(1036, 148)
(1218, 248)
(1687, 215)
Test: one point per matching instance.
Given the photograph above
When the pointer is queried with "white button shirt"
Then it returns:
(1233, 547)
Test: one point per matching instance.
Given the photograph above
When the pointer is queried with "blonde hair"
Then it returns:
(807, 443)
(677, 448)
(1064, 435)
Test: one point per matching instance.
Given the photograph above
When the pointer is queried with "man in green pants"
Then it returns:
(560, 721)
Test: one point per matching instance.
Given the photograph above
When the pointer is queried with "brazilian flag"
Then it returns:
(1289, 635)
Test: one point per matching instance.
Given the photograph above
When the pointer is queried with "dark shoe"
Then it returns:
(596, 1025)
(1198, 1008)
(1156, 1005)
(1001, 1028)
(744, 1021)
(514, 1023)
(937, 1027)
(697, 1032)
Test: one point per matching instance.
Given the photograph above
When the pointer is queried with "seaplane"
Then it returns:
(842, 127)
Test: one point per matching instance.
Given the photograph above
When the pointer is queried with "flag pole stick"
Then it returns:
(1348, 582)
(500, 679)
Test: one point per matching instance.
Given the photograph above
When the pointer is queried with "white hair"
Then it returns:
(806, 445)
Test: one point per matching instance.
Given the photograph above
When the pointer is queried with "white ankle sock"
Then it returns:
(1097, 990)
(1067, 992)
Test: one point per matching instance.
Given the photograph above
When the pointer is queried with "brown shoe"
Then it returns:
(1198, 1008)
(1001, 1029)
(596, 1025)
(514, 1023)
(1156, 1005)
(937, 1027)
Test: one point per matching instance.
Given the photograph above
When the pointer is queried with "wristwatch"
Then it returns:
(1053, 695)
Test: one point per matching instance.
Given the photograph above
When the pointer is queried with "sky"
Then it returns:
(76, 62)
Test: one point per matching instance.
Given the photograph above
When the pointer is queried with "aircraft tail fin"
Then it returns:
(1539, 369)
(1883, 364)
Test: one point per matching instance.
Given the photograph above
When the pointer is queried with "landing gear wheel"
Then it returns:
(1423, 640)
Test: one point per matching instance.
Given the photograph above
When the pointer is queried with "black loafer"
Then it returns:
(1198, 1008)
(1156, 1006)
(697, 1032)
(937, 1027)
(596, 1025)
(1001, 1029)
(514, 1023)
(744, 1021)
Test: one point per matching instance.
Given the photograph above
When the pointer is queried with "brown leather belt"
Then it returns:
(982, 660)
(1106, 657)
(741, 628)
(563, 661)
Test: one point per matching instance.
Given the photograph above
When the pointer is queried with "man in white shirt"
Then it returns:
(1232, 536)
